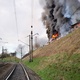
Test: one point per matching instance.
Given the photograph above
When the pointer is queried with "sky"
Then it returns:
(11, 32)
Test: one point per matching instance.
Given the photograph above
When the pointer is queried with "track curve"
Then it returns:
(18, 73)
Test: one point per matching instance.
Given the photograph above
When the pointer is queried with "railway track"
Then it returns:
(3, 64)
(18, 73)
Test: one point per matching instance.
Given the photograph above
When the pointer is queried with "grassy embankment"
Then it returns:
(10, 59)
(58, 61)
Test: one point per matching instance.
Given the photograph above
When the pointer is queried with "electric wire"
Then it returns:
(32, 6)
(16, 21)
(71, 7)
(73, 12)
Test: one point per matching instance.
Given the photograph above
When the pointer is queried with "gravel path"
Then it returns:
(4, 69)
(18, 74)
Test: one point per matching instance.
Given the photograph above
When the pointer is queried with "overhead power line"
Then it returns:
(32, 6)
(16, 22)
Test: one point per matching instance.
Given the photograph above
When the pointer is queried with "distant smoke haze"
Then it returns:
(59, 15)
(79, 0)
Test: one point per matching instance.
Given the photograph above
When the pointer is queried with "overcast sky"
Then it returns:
(8, 29)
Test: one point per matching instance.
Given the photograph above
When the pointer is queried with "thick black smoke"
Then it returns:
(59, 15)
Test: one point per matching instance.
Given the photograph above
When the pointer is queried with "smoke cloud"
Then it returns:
(59, 15)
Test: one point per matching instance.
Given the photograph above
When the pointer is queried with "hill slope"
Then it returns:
(60, 60)
(68, 44)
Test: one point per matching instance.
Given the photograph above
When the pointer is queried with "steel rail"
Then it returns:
(10, 73)
(24, 70)
(27, 76)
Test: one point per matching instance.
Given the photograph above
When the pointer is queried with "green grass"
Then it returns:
(10, 59)
(60, 60)
(57, 67)
(34, 64)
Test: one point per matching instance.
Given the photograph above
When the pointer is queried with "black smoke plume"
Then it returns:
(59, 15)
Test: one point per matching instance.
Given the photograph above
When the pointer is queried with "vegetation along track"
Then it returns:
(18, 73)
